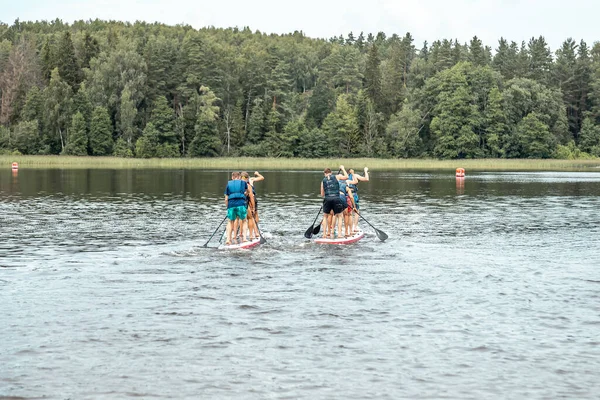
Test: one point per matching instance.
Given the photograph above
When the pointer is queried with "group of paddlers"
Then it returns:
(340, 204)
(242, 210)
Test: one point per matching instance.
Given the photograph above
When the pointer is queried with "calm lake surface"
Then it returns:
(487, 288)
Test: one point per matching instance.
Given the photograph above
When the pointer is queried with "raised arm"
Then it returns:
(354, 180)
(364, 178)
(256, 178)
(343, 176)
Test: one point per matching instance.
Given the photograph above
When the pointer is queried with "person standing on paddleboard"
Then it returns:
(235, 200)
(355, 178)
(347, 198)
(252, 203)
(332, 204)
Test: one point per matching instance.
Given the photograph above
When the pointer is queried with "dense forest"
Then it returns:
(151, 90)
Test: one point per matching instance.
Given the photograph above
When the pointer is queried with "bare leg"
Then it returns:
(347, 223)
(251, 224)
(228, 232)
(339, 218)
(244, 227)
(327, 222)
(355, 220)
(255, 223)
(234, 232)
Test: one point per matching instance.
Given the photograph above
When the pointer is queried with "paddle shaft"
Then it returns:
(211, 236)
(380, 234)
(309, 232)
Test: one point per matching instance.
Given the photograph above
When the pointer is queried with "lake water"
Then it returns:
(487, 288)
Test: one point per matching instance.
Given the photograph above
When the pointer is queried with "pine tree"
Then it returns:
(77, 141)
(505, 59)
(127, 114)
(540, 62)
(583, 81)
(206, 142)
(91, 49)
(589, 140)
(163, 119)
(147, 144)
(341, 128)
(67, 62)
(256, 125)
(34, 105)
(48, 60)
(565, 80)
(100, 137)
(373, 77)
(477, 55)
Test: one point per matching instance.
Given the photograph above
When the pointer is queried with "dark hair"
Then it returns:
(327, 171)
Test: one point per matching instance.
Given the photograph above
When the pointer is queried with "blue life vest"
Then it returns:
(343, 186)
(331, 186)
(235, 191)
(352, 186)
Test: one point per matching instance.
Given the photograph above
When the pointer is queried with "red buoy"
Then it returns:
(15, 165)
(460, 172)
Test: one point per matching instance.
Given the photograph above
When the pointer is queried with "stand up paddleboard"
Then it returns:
(244, 245)
(342, 240)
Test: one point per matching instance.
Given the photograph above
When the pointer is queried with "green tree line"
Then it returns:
(150, 90)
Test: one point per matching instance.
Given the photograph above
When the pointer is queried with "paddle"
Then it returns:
(262, 238)
(380, 234)
(317, 228)
(211, 236)
(309, 232)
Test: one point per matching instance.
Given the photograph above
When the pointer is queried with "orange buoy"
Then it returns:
(15, 165)
(460, 172)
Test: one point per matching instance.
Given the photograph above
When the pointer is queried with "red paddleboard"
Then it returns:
(244, 245)
(342, 240)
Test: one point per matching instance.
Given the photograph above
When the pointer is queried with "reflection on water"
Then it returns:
(488, 287)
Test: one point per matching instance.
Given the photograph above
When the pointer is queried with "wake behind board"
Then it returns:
(244, 245)
(342, 240)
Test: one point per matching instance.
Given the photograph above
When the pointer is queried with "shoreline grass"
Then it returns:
(250, 163)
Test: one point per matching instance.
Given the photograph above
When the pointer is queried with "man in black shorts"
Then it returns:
(332, 204)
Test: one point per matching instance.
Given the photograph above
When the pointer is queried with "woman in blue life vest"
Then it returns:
(235, 200)
(332, 204)
(355, 178)
(252, 203)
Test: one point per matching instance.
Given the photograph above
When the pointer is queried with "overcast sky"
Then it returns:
(424, 19)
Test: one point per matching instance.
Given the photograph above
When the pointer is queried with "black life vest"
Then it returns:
(331, 186)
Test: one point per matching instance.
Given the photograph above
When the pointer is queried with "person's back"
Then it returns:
(332, 205)
(235, 199)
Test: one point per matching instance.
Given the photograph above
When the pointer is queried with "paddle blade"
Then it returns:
(317, 229)
(381, 235)
(309, 232)
(262, 240)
